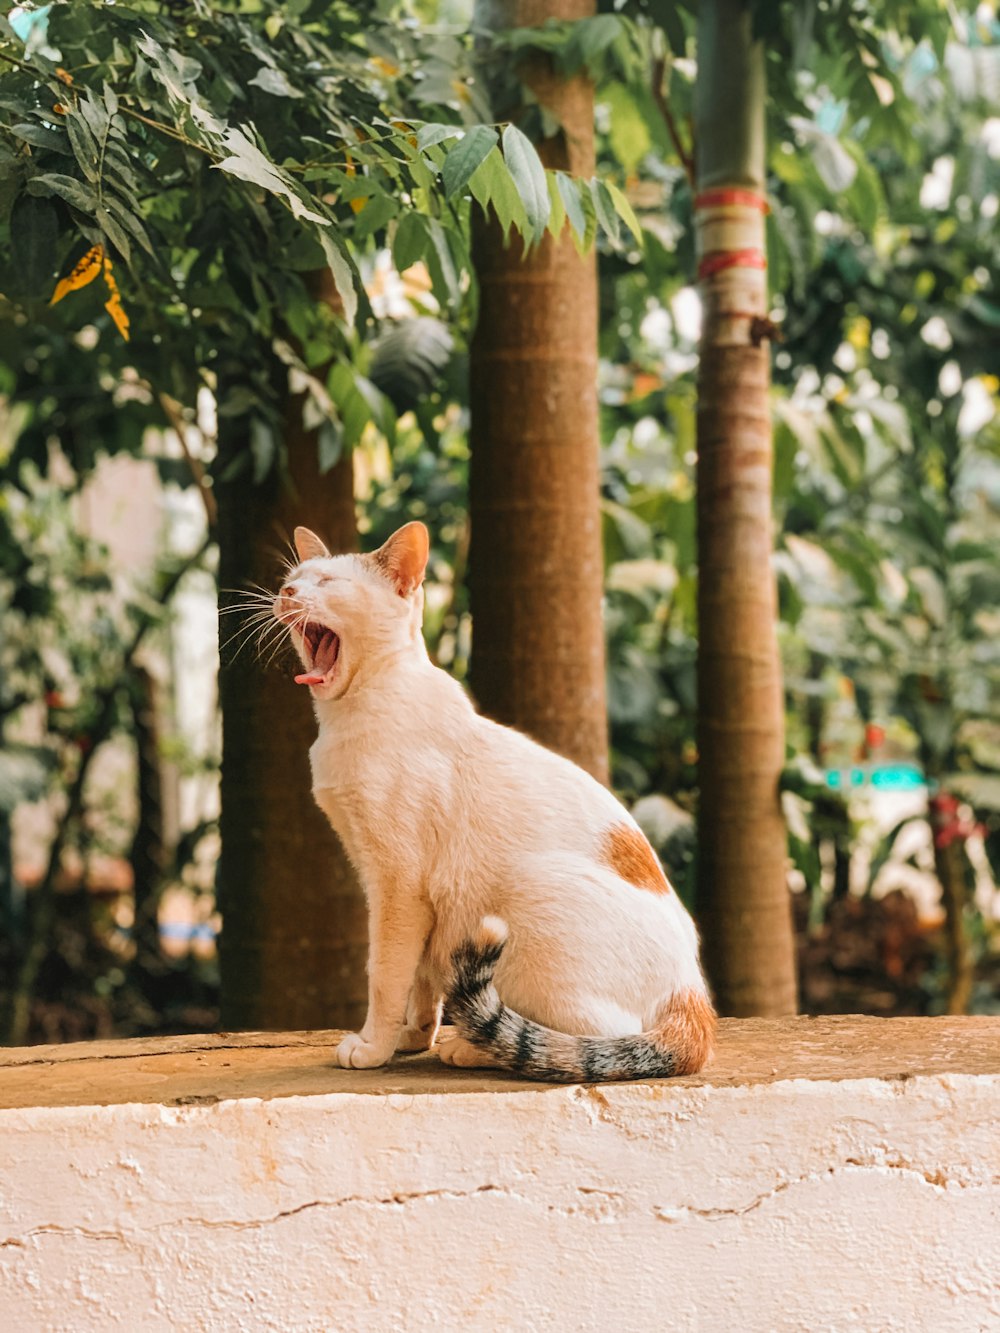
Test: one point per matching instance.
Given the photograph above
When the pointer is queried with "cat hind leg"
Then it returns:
(423, 1015)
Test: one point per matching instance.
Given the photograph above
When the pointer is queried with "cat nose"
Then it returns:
(289, 590)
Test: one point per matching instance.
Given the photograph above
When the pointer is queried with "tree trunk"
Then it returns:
(744, 907)
(536, 565)
(149, 855)
(951, 862)
(294, 938)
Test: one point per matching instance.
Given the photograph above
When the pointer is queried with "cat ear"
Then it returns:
(404, 557)
(308, 545)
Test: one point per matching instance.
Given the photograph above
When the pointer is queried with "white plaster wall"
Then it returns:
(855, 1204)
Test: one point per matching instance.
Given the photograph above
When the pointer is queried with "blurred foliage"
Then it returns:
(884, 185)
(216, 155)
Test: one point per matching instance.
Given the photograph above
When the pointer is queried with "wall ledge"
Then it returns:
(822, 1173)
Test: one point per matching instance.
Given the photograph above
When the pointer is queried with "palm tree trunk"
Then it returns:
(536, 566)
(744, 902)
(951, 864)
(294, 939)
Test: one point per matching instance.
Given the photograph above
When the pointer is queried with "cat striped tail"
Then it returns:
(680, 1043)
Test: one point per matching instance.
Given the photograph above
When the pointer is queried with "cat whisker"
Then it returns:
(250, 589)
(250, 612)
(299, 624)
(258, 622)
(248, 597)
(244, 635)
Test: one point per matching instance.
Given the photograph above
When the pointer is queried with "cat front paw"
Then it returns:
(416, 1039)
(356, 1053)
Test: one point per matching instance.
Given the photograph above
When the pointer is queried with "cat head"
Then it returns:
(346, 613)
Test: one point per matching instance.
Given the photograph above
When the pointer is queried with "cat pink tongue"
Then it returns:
(327, 651)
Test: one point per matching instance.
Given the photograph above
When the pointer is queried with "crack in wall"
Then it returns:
(594, 1203)
(937, 1180)
(252, 1224)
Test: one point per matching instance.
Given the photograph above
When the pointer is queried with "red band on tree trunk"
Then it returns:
(722, 259)
(726, 198)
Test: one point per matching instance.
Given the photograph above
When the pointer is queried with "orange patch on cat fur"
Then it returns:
(628, 854)
(686, 1027)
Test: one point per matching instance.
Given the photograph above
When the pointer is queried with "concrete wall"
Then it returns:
(824, 1174)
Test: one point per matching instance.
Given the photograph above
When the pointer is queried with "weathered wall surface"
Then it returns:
(824, 1174)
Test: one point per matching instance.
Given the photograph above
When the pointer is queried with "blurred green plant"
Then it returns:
(70, 673)
(884, 254)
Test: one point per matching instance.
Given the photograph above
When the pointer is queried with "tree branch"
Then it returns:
(663, 106)
(172, 411)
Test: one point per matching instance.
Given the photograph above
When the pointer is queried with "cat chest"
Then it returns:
(385, 814)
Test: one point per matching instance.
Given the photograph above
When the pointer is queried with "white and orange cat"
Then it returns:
(501, 879)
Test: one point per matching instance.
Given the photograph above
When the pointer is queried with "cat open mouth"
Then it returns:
(322, 647)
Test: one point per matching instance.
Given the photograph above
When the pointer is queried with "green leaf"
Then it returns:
(409, 359)
(263, 448)
(528, 174)
(275, 82)
(343, 274)
(557, 217)
(379, 404)
(594, 36)
(68, 188)
(866, 196)
(248, 163)
(40, 136)
(569, 192)
(444, 278)
(465, 157)
(354, 410)
(605, 210)
(492, 186)
(95, 116)
(410, 241)
(329, 444)
(628, 131)
(375, 216)
(114, 232)
(430, 134)
(84, 145)
(128, 220)
(624, 210)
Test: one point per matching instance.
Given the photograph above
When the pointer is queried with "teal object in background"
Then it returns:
(884, 777)
(23, 21)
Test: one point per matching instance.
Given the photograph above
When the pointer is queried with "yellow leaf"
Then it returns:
(351, 170)
(117, 312)
(113, 305)
(407, 129)
(385, 67)
(64, 77)
(86, 270)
